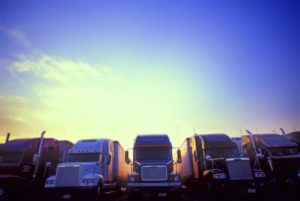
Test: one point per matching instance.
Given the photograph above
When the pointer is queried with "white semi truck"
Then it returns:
(93, 166)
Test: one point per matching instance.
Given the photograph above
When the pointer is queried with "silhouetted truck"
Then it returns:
(278, 156)
(152, 168)
(212, 162)
(26, 163)
(93, 167)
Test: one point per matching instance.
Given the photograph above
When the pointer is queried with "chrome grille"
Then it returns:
(239, 169)
(154, 173)
(68, 176)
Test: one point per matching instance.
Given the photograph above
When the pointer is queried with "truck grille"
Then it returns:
(239, 169)
(68, 176)
(154, 173)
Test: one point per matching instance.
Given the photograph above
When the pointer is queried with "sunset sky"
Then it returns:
(118, 68)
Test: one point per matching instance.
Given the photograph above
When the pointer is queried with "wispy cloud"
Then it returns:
(56, 69)
(18, 36)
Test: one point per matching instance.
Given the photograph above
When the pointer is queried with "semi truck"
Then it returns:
(93, 167)
(26, 163)
(153, 173)
(279, 157)
(211, 162)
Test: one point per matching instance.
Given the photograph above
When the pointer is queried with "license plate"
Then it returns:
(162, 194)
(66, 196)
(251, 190)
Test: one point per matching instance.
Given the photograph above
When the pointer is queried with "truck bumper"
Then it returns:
(155, 184)
(71, 192)
(242, 186)
(155, 189)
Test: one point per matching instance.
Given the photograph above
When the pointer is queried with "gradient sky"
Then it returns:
(117, 68)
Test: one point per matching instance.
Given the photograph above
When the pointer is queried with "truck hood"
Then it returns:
(217, 163)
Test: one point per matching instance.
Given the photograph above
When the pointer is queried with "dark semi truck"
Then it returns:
(153, 173)
(26, 163)
(279, 157)
(212, 162)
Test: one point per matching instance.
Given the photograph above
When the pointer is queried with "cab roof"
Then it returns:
(218, 140)
(273, 140)
(90, 145)
(152, 140)
(21, 144)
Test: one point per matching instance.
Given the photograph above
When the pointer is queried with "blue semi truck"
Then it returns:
(153, 173)
(93, 166)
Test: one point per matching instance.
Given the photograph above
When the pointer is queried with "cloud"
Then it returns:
(63, 71)
(18, 36)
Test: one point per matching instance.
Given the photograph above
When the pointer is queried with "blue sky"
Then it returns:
(148, 66)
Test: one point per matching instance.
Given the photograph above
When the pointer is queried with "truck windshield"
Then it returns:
(84, 157)
(153, 153)
(283, 151)
(12, 157)
(222, 153)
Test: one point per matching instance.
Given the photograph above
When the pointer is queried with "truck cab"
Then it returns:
(213, 160)
(153, 171)
(279, 157)
(93, 166)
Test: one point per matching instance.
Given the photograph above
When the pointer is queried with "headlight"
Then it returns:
(219, 176)
(176, 178)
(89, 181)
(298, 174)
(131, 179)
(259, 174)
(50, 181)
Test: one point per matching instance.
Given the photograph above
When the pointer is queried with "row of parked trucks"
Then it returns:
(208, 162)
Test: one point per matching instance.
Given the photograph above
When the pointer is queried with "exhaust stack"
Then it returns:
(252, 140)
(7, 137)
(38, 154)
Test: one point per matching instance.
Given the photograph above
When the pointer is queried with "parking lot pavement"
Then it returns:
(185, 196)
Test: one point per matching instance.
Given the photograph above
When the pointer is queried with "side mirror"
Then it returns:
(178, 156)
(108, 159)
(208, 157)
(48, 164)
(127, 159)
